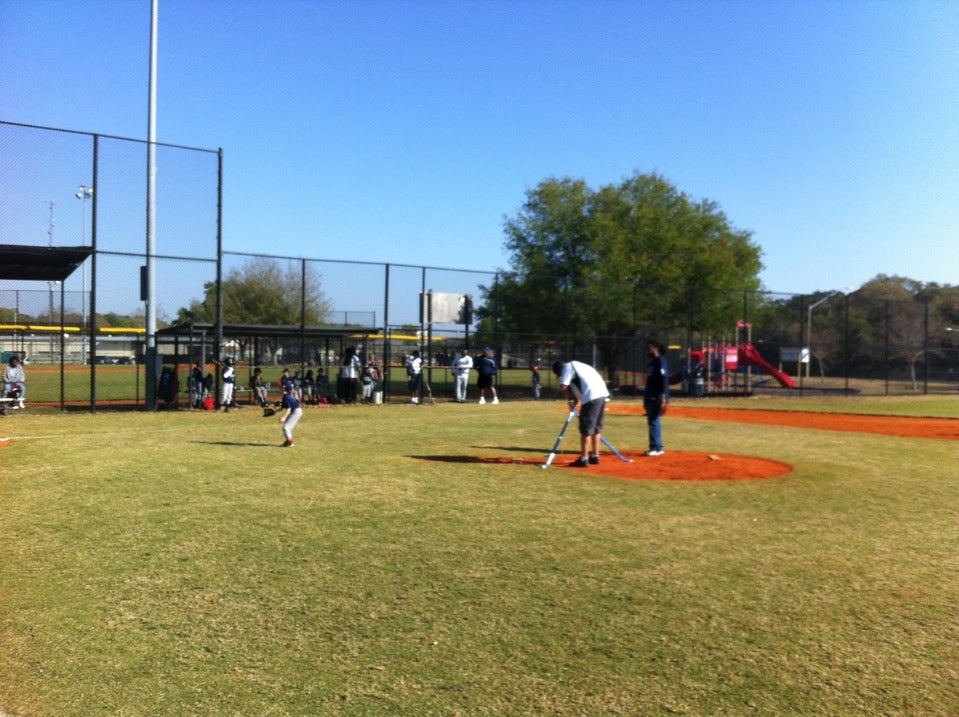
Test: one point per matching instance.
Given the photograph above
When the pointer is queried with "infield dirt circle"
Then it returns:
(692, 466)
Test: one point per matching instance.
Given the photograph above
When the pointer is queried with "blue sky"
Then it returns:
(406, 131)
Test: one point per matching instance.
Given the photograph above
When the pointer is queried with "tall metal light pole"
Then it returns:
(149, 290)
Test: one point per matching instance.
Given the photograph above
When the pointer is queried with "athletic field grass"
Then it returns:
(181, 563)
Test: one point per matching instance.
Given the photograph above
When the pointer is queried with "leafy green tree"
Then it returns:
(908, 318)
(10, 316)
(598, 264)
(262, 292)
(120, 321)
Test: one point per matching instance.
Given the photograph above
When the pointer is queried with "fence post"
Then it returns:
(925, 349)
(845, 344)
(93, 276)
(885, 343)
(387, 348)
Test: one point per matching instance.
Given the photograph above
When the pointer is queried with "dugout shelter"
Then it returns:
(267, 346)
(49, 264)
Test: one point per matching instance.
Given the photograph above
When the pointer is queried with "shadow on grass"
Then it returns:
(516, 449)
(245, 444)
(486, 460)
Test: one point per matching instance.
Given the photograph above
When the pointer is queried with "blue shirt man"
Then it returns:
(487, 370)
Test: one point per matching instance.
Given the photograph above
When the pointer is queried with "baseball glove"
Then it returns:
(267, 412)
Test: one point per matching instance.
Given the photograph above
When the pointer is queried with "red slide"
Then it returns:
(749, 356)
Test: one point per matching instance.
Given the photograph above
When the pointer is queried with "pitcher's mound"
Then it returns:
(672, 465)
(680, 466)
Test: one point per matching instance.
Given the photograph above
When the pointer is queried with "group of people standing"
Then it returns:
(354, 374)
(307, 388)
(486, 369)
(485, 365)
(581, 384)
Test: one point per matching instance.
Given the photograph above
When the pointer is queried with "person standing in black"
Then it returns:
(487, 369)
(655, 395)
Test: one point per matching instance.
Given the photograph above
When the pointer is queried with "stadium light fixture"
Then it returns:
(84, 193)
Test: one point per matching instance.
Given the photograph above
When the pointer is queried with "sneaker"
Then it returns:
(594, 460)
(653, 453)
(482, 399)
(495, 401)
(414, 400)
(579, 463)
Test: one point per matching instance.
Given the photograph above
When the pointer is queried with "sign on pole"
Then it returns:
(440, 308)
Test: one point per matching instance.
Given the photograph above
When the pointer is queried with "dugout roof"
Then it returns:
(231, 331)
(20, 262)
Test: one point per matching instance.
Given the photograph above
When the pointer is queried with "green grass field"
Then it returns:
(181, 563)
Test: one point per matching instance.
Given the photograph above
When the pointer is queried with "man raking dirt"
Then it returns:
(582, 384)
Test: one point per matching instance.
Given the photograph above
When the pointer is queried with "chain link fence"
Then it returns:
(84, 339)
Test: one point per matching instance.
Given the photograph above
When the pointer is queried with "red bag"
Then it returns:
(208, 403)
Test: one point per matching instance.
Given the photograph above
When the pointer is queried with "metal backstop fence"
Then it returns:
(84, 338)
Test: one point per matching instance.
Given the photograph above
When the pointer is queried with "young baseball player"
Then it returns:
(291, 415)
(414, 373)
(228, 375)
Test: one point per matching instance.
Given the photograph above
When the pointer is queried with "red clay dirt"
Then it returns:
(938, 428)
(691, 466)
(671, 466)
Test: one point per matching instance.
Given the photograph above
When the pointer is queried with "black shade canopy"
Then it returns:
(40, 263)
(230, 331)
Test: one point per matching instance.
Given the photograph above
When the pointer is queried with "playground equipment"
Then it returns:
(749, 356)
(722, 361)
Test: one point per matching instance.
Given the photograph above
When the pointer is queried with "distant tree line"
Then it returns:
(599, 266)
(889, 320)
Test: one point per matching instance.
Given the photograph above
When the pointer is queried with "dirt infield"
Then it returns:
(937, 428)
(671, 466)
(690, 466)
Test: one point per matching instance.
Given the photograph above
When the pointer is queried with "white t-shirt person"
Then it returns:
(584, 381)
